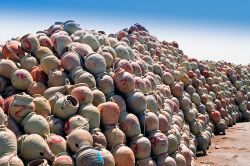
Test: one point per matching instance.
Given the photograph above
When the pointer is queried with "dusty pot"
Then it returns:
(70, 60)
(91, 40)
(107, 157)
(42, 106)
(35, 124)
(118, 100)
(83, 94)
(89, 156)
(136, 69)
(179, 159)
(36, 88)
(65, 107)
(29, 43)
(50, 62)
(3, 117)
(57, 144)
(98, 137)
(56, 125)
(42, 52)
(71, 26)
(81, 49)
(92, 114)
(21, 106)
(129, 124)
(152, 104)
(78, 139)
(110, 113)
(53, 93)
(78, 75)
(98, 97)
(122, 51)
(172, 143)
(21, 79)
(28, 62)
(8, 141)
(124, 64)
(105, 83)
(149, 122)
(63, 159)
(159, 143)
(114, 136)
(164, 159)
(124, 81)
(164, 124)
(141, 147)
(33, 147)
(57, 78)
(123, 156)
(11, 160)
(146, 162)
(74, 122)
(136, 102)
(95, 63)
(45, 42)
(60, 43)
(108, 59)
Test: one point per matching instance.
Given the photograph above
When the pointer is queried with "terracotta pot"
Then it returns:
(123, 156)
(36, 88)
(13, 51)
(124, 81)
(38, 74)
(110, 113)
(98, 137)
(70, 60)
(129, 124)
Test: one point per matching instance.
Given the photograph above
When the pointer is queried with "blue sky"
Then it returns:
(205, 29)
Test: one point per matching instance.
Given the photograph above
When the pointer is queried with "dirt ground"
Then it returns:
(232, 149)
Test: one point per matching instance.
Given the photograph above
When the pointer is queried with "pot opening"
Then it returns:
(72, 100)
(37, 162)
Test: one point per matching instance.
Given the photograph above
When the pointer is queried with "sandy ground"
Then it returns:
(232, 149)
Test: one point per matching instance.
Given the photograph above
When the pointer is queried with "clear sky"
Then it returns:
(214, 30)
